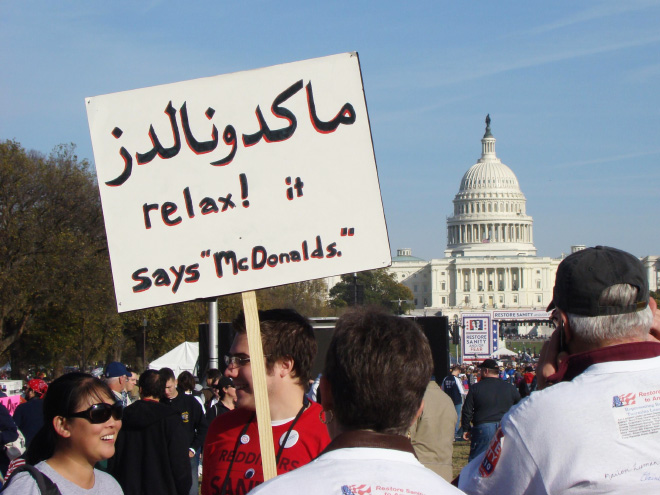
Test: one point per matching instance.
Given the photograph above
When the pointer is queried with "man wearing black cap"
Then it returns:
(597, 428)
(486, 402)
(225, 400)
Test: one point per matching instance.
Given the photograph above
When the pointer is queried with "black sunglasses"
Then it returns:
(100, 413)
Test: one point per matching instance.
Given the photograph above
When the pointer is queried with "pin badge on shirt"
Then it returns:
(291, 441)
(245, 439)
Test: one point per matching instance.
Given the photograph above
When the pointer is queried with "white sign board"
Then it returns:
(522, 315)
(238, 182)
(477, 336)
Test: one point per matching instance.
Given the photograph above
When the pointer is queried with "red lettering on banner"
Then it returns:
(492, 455)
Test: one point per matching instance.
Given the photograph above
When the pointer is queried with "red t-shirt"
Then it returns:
(306, 441)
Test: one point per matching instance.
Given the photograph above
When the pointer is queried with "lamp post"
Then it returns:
(144, 343)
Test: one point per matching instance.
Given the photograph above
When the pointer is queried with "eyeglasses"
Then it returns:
(100, 413)
(236, 361)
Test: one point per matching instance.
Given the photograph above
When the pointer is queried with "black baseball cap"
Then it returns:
(583, 276)
(224, 382)
(490, 364)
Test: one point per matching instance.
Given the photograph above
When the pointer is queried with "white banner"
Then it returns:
(477, 336)
(238, 182)
(521, 315)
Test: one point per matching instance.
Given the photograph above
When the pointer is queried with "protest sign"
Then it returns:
(477, 337)
(238, 182)
(11, 403)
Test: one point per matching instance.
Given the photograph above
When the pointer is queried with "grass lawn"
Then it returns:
(460, 457)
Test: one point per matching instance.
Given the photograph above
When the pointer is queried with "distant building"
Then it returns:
(490, 262)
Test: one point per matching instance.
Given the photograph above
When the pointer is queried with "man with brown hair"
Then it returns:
(377, 370)
(232, 458)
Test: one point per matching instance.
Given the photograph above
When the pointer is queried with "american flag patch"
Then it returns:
(492, 455)
(624, 400)
(355, 489)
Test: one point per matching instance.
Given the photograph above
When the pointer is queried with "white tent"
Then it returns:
(503, 351)
(182, 358)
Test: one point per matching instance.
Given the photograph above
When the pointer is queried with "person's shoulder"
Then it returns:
(411, 478)
(21, 484)
(106, 483)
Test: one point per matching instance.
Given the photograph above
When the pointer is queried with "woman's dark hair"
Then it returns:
(378, 367)
(64, 396)
(186, 381)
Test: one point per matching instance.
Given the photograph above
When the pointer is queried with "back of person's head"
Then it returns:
(186, 381)
(166, 374)
(152, 384)
(65, 394)
(604, 292)
(378, 367)
(285, 334)
(213, 374)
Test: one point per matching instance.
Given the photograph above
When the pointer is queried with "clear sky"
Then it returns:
(573, 90)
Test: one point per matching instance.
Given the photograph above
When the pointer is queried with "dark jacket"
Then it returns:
(193, 418)
(450, 387)
(215, 410)
(8, 433)
(151, 452)
(487, 401)
(29, 417)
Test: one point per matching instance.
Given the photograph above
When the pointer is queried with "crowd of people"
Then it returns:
(586, 420)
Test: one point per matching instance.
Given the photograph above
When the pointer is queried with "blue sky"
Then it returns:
(573, 90)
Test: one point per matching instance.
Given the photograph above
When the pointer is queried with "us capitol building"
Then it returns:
(490, 263)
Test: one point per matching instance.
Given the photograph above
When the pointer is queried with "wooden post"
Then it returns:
(259, 384)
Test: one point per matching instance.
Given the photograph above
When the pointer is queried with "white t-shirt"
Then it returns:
(599, 433)
(25, 484)
(360, 470)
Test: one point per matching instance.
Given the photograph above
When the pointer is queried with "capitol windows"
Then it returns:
(538, 298)
(467, 299)
(444, 300)
(414, 288)
(481, 299)
(442, 286)
(538, 284)
(515, 299)
(501, 299)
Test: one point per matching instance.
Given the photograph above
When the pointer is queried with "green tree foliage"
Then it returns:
(52, 244)
(376, 287)
(309, 298)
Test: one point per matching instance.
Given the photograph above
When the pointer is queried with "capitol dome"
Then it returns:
(489, 210)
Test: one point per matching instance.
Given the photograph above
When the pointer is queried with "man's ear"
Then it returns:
(283, 366)
(419, 411)
(61, 426)
(327, 400)
(654, 332)
(567, 331)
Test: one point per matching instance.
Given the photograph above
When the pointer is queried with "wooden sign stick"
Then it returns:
(259, 384)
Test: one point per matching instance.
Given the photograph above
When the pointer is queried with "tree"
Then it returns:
(376, 287)
(53, 256)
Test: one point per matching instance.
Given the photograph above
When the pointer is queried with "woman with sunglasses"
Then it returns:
(81, 422)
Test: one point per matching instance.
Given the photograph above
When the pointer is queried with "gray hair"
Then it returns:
(595, 329)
